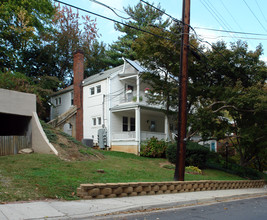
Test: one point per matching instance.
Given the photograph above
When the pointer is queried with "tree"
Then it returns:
(159, 52)
(72, 34)
(232, 102)
(142, 17)
(23, 25)
(43, 89)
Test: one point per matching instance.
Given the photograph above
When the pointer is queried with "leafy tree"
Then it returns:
(23, 25)
(232, 102)
(160, 54)
(72, 34)
(142, 17)
(43, 89)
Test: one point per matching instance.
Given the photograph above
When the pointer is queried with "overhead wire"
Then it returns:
(113, 20)
(261, 11)
(145, 31)
(163, 12)
(254, 15)
(214, 14)
(112, 9)
(229, 31)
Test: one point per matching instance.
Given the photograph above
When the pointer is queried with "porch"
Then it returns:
(130, 126)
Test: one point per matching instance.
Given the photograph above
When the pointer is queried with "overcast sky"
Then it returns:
(236, 15)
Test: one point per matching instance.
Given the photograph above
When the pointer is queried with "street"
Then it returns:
(246, 209)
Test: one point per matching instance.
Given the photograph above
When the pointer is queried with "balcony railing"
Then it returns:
(147, 135)
(130, 135)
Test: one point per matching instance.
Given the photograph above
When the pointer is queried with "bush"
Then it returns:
(153, 148)
(236, 169)
(216, 161)
(196, 154)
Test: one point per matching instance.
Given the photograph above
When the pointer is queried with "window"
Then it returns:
(71, 99)
(58, 101)
(94, 121)
(125, 124)
(92, 90)
(132, 124)
(98, 89)
(99, 120)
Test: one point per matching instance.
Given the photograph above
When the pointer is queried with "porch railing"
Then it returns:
(132, 135)
(123, 135)
(147, 135)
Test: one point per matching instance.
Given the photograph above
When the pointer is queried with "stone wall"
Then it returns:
(112, 190)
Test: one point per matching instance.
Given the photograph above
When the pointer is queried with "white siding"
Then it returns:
(93, 109)
(59, 108)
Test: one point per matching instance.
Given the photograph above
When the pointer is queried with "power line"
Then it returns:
(248, 38)
(214, 14)
(261, 11)
(163, 12)
(230, 31)
(112, 9)
(232, 17)
(113, 20)
(255, 15)
(219, 15)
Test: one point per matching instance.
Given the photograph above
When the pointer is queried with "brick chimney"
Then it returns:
(78, 72)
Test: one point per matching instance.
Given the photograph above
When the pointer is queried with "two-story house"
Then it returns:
(112, 104)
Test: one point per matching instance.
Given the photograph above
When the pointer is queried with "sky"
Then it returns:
(247, 16)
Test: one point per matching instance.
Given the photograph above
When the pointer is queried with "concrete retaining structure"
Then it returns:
(112, 190)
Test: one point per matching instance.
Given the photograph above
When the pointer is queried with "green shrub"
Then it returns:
(196, 154)
(236, 169)
(193, 170)
(216, 161)
(153, 148)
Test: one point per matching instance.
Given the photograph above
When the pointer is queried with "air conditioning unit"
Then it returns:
(88, 142)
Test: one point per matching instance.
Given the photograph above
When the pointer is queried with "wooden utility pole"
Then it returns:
(182, 114)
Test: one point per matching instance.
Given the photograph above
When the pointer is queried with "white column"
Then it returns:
(137, 88)
(166, 128)
(138, 127)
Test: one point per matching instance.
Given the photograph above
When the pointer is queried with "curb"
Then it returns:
(124, 212)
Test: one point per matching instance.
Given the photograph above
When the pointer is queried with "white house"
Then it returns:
(113, 107)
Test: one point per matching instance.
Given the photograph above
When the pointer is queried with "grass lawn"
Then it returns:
(36, 176)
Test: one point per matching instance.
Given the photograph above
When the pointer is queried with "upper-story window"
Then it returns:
(94, 121)
(98, 89)
(95, 90)
(92, 90)
(58, 101)
(99, 120)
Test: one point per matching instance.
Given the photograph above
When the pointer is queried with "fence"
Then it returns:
(10, 145)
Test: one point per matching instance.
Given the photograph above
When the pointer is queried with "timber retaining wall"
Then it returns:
(112, 190)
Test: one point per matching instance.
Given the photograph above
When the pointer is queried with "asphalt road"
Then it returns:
(246, 209)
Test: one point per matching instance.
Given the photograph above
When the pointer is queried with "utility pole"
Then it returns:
(182, 114)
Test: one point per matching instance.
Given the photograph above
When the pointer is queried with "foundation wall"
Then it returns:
(133, 149)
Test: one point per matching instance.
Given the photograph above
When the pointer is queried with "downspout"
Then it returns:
(103, 109)
(109, 112)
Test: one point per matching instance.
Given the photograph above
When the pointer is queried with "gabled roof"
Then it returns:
(62, 91)
(135, 65)
(101, 76)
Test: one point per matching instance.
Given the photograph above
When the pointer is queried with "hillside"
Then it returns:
(68, 147)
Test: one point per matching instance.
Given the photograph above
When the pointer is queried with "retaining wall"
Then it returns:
(112, 190)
